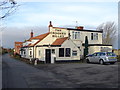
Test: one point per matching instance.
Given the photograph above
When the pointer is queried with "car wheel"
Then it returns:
(112, 62)
(101, 62)
(87, 60)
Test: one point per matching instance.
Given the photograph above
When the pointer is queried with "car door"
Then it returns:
(93, 57)
(97, 58)
(90, 57)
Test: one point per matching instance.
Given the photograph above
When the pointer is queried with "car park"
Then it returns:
(102, 58)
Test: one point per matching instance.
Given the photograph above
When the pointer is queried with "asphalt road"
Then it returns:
(17, 74)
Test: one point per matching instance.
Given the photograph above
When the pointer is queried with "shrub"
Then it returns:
(118, 58)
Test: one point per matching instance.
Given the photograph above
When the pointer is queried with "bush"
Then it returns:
(17, 56)
(118, 58)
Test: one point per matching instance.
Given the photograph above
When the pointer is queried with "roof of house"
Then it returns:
(59, 41)
(40, 37)
(18, 42)
(84, 30)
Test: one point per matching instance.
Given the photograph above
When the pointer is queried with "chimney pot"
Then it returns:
(31, 34)
(80, 27)
(50, 25)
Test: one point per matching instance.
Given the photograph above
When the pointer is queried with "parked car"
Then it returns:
(102, 58)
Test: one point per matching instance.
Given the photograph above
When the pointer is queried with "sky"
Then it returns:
(35, 15)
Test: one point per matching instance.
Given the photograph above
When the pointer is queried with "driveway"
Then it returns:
(17, 74)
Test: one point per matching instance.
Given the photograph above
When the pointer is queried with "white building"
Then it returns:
(63, 44)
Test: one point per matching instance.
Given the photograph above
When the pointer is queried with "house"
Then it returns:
(17, 48)
(63, 44)
(117, 51)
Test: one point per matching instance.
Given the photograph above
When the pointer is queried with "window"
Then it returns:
(30, 52)
(75, 35)
(53, 51)
(95, 54)
(24, 52)
(61, 52)
(102, 54)
(72, 35)
(39, 52)
(78, 35)
(91, 36)
(94, 36)
(74, 53)
(110, 54)
(67, 52)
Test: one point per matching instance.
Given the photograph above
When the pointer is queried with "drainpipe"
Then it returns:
(33, 51)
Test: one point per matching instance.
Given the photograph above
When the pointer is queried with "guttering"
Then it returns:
(96, 45)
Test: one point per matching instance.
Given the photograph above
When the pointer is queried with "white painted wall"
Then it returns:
(83, 34)
(93, 49)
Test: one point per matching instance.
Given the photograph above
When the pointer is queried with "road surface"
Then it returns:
(18, 74)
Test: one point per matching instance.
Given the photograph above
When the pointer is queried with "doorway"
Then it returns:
(48, 55)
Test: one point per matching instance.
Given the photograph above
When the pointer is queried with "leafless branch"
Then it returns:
(7, 7)
(109, 32)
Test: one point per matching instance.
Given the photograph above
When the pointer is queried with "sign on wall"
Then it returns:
(58, 33)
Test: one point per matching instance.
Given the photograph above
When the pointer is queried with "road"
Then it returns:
(18, 74)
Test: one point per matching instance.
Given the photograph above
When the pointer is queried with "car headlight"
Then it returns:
(106, 58)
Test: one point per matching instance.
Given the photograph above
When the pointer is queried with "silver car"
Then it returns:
(102, 58)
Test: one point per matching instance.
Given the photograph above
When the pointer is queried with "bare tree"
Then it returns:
(7, 7)
(109, 32)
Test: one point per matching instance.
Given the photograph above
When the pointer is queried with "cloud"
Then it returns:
(12, 34)
(63, 14)
(68, 0)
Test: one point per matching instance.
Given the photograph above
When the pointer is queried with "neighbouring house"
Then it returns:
(63, 44)
(17, 47)
(116, 51)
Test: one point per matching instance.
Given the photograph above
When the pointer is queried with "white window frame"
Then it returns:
(95, 36)
(74, 53)
(75, 35)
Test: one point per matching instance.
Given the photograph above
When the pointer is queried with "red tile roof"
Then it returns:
(18, 42)
(59, 41)
(40, 37)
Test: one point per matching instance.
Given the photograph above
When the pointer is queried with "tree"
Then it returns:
(109, 32)
(7, 7)
(86, 47)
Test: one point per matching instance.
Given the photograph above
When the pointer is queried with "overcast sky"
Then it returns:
(36, 16)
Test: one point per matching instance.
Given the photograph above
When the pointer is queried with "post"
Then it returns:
(35, 62)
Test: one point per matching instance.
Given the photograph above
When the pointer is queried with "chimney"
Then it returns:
(31, 34)
(50, 25)
(80, 27)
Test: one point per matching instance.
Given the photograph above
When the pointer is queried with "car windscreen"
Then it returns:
(110, 54)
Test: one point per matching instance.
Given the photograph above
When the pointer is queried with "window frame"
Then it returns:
(94, 36)
(61, 53)
(74, 53)
(53, 51)
(67, 54)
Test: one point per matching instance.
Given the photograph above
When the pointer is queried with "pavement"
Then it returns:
(18, 74)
